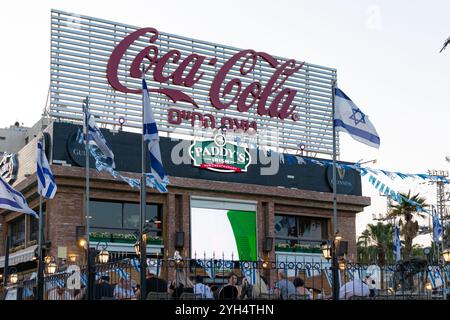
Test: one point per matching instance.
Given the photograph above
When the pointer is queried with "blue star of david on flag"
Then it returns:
(349, 118)
(356, 118)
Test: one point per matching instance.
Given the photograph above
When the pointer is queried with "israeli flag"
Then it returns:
(209, 267)
(13, 200)
(83, 279)
(435, 276)
(46, 181)
(150, 132)
(397, 244)
(154, 266)
(96, 138)
(249, 271)
(437, 227)
(136, 264)
(348, 117)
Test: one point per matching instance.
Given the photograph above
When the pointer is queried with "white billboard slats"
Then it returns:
(80, 50)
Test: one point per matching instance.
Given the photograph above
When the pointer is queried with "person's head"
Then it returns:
(232, 279)
(198, 279)
(104, 279)
(282, 274)
(181, 279)
(298, 282)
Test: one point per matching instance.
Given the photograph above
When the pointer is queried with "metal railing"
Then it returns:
(193, 279)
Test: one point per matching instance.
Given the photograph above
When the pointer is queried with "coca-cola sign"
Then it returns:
(188, 72)
(195, 85)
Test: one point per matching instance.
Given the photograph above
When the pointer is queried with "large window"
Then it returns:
(300, 231)
(34, 229)
(34, 225)
(123, 218)
(17, 232)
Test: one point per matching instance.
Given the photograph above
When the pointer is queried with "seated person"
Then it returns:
(103, 288)
(154, 283)
(284, 287)
(299, 285)
(200, 288)
(230, 290)
(123, 290)
(181, 284)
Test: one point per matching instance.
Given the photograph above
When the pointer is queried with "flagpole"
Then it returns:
(443, 273)
(335, 229)
(40, 271)
(143, 196)
(90, 282)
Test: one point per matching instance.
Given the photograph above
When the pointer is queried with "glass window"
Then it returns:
(124, 216)
(285, 226)
(106, 214)
(310, 228)
(17, 231)
(34, 225)
(131, 212)
(153, 215)
(34, 229)
(131, 215)
(294, 229)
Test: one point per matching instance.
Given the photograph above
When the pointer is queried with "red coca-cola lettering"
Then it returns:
(119, 51)
(223, 92)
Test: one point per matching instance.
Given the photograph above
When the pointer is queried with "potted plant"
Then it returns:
(284, 247)
(123, 238)
(100, 236)
(154, 240)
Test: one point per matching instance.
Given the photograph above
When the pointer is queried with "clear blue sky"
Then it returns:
(386, 53)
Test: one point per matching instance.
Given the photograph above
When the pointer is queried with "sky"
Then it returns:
(386, 54)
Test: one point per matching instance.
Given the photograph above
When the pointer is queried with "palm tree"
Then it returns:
(405, 209)
(381, 238)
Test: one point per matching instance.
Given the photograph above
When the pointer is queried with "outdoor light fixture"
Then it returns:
(337, 237)
(51, 267)
(446, 255)
(137, 248)
(103, 255)
(72, 257)
(82, 243)
(265, 264)
(48, 259)
(326, 250)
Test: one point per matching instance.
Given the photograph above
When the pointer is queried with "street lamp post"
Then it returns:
(330, 252)
(335, 265)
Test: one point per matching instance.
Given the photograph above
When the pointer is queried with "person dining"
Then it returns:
(123, 290)
(301, 291)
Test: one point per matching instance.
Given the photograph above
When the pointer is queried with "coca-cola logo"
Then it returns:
(225, 92)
